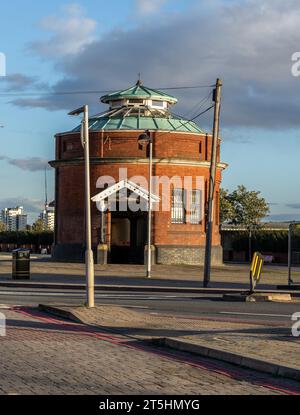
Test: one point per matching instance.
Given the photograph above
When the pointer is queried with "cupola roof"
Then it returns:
(139, 91)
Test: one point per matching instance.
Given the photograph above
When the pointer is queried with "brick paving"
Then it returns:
(270, 343)
(46, 356)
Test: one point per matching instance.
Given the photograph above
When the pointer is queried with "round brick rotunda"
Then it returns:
(181, 150)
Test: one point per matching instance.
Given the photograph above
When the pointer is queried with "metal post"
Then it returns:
(102, 229)
(250, 245)
(89, 258)
(149, 258)
(290, 281)
(213, 170)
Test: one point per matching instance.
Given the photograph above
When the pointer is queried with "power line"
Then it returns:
(88, 92)
(201, 113)
(187, 87)
(198, 105)
(187, 122)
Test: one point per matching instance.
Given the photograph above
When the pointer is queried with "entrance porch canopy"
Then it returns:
(123, 184)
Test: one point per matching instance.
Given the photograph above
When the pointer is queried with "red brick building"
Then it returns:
(180, 148)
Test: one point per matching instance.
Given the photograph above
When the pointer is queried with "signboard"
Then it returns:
(256, 270)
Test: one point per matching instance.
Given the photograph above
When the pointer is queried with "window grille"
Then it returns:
(195, 209)
(178, 214)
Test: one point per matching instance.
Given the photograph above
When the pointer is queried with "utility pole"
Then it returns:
(212, 180)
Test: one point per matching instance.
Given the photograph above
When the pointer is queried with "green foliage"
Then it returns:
(243, 207)
(2, 227)
(264, 241)
(38, 226)
(27, 237)
(226, 207)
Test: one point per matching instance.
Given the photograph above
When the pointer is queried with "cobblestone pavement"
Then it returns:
(42, 355)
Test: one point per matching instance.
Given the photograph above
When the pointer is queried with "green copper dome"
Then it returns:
(140, 108)
(139, 91)
(171, 123)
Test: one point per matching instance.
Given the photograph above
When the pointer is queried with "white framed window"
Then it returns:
(135, 102)
(117, 104)
(156, 103)
(195, 207)
(178, 212)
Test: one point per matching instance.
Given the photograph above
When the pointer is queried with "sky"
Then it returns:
(99, 45)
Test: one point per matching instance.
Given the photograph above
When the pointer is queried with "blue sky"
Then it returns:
(97, 44)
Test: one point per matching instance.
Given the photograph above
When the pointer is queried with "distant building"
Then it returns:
(48, 217)
(14, 219)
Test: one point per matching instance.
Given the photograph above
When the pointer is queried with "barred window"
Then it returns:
(178, 206)
(195, 213)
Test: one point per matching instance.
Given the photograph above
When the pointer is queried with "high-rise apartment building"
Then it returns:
(48, 217)
(14, 219)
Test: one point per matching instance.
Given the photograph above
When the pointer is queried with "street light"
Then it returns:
(89, 258)
(145, 138)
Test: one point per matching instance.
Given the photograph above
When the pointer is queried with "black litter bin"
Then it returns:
(21, 264)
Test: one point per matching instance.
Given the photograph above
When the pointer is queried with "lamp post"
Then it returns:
(145, 138)
(89, 258)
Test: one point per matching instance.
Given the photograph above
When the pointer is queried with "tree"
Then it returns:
(249, 207)
(243, 207)
(38, 226)
(2, 227)
(226, 207)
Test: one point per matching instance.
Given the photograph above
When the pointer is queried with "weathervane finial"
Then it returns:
(139, 81)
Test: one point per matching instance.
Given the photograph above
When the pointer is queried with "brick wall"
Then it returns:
(125, 144)
(182, 255)
(175, 154)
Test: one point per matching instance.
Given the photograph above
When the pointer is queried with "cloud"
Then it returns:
(32, 164)
(70, 33)
(17, 82)
(146, 7)
(249, 45)
(30, 205)
(32, 103)
(293, 205)
(283, 217)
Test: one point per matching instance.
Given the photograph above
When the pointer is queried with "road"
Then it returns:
(175, 304)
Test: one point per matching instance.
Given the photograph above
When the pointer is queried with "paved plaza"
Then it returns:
(41, 355)
(43, 269)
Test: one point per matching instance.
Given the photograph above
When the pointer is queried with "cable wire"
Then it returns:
(54, 93)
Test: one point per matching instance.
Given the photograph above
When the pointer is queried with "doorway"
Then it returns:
(128, 238)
